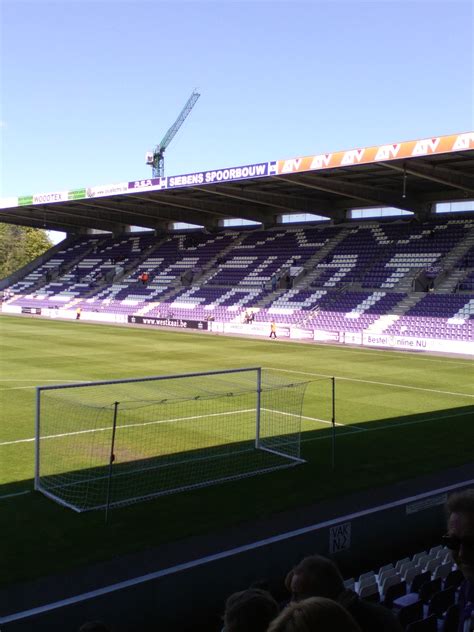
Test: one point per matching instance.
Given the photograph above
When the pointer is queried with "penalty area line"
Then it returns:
(124, 426)
(323, 421)
(33, 386)
(355, 379)
(390, 426)
(28, 491)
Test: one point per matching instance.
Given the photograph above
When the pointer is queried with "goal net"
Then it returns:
(106, 444)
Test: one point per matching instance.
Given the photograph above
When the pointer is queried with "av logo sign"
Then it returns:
(340, 537)
(352, 157)
(464, 141)
(321, 161)
(427, 146)
(387, 152)
(289, 166)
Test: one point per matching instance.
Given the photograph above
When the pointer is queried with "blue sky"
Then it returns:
(88, 87)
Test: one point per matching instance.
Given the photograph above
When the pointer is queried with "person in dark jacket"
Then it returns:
(317, 576)
(250, 610)
(314, 614)
(460, 540)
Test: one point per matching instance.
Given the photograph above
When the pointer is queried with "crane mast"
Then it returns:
(157, 160)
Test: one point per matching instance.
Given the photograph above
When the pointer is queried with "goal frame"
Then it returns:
(292, 459)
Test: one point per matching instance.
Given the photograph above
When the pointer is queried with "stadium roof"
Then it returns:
(411, 176)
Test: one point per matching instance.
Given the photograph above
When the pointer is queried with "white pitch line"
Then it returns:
(32, 386)
(390, 425)
(354, 379)
(28, 491)
(323, 421)
(17, 388)
(109, 428)
(373, 352)
(351, 427)
(350, 430)
(59, 380)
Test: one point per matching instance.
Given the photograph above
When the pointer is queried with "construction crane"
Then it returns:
(156, 158)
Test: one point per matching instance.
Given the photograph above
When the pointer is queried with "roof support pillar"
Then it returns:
(212, 224)
(120, 229)
(271, 221)
(340, 216)
(426, 212)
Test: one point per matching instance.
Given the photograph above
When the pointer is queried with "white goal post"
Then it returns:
(112, 443)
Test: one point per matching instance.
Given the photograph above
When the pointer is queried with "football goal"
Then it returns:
(111, 443)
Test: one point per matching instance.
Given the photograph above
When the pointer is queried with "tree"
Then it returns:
(19, 245)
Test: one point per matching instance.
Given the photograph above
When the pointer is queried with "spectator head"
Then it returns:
(249, 611)
(314, 576)
(94, 626)
(316, 614)
(460, 537)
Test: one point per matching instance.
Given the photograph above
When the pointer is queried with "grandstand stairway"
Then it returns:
(312, 264)
(147, 308)
(406, 283)
(133, 265)
(210, 268)
(270, 298)
(459, 250)
(386, 320)
(407, 303)
(71, 304)
(31, 283)
(383, 323)
(129, 269)
(449, 283)
(468, 273)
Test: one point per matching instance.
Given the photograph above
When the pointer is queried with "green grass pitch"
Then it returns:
(398, 414)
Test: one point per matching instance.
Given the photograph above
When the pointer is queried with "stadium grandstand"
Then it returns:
(358, 250)
(402, 281)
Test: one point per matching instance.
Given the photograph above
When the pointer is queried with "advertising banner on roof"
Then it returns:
(9, 202)
(24, 200)
(145, 185)
(48, 198)
(364, 155)
(378, 153)
(258, 170)
(107, 189)
(77, 194)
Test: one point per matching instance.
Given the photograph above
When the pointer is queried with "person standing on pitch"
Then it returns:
(273, 330)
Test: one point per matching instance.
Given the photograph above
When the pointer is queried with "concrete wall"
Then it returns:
(191, 597)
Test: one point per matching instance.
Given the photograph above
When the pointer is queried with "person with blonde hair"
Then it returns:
(316, 614)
